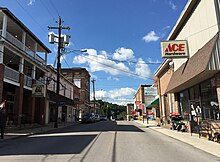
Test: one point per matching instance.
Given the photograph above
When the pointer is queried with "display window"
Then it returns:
(209, 100)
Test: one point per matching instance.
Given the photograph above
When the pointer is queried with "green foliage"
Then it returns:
(110, 109)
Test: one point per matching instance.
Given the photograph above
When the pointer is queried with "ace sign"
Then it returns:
(174, 49)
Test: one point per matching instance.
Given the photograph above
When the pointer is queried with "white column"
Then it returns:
(4, 25)
(170, 102)
(46, 57)
(34, 72)
(35, 50)
(21, 66)
(23, 39)
(1, 53)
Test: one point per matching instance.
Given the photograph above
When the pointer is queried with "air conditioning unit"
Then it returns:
(51, 37)
(66, 39)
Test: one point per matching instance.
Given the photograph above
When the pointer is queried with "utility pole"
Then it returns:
(93, 85)
(59, 28)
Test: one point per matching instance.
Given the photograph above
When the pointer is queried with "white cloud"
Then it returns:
(93, 76)
(123, 54)
(166, 27)
(122, 92)
(100, 62)
(151, 37)
(112, 78)
(173, 6)
(116, 95)
(31, 2)
(142, 69)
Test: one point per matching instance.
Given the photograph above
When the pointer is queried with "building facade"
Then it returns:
(81, 78)
(143, 97)
(162, 78)
(67, 98)
(195, 80)
(23, 59)
(130, 111)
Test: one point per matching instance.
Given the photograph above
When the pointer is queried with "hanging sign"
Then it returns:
(174, 49)
(38, 90)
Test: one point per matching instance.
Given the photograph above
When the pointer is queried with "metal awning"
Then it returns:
(204, 64)
(153, 103)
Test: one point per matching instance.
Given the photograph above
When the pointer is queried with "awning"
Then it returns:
(154, 103)
(52, 96)
(203, 65)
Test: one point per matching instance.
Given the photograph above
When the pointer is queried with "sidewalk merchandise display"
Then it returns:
(177, 122)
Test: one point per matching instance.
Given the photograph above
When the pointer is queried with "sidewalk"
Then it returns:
(194, 140)
(17, 132)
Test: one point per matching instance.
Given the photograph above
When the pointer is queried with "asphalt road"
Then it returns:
(101, 142)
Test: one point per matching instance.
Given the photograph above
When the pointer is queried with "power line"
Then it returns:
(52, 4)
(119, 69)
(135, 62)
(31, 16)
(45, 6)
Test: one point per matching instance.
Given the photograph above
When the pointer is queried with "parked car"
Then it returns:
(103, 117)
(97, 117)
(88, 118)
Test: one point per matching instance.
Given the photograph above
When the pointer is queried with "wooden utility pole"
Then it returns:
(93, 85)
(59, 27)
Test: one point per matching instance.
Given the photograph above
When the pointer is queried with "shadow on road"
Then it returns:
(69, 140)
(103, 126)
(47, 145)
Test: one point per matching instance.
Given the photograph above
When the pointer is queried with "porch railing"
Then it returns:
(11, 74)
(27, 81)
(20, 45)
(14, 40)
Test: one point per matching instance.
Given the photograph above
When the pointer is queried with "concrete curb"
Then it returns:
(194, 140)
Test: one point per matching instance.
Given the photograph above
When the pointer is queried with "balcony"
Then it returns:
(30, 53)
(28, 81)
(11, 74)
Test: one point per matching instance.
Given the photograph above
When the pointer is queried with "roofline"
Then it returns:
(142, 85)
(11, 15)
(76, 68)
(162, 66)
(55, 71)
(183, 18)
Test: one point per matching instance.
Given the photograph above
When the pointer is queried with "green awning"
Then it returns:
(153, 103)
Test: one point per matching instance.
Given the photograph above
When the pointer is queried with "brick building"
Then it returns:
(67, 99)
(81, 78)
(143, 97)
(195, 80)
(23, 59)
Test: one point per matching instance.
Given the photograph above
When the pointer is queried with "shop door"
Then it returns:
(64, 113)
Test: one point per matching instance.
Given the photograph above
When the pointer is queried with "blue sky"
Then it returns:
(122, 38)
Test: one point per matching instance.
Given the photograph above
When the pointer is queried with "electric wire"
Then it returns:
(44, 30)
(134, 74)
(48, 10)
(135, 62)
(54, 7)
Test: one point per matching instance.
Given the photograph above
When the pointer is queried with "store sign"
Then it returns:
(150, 91)
(38, 90)
(174, 49)
(137, 102)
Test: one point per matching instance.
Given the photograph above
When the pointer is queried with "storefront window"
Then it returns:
(209, 95)
(184, 104)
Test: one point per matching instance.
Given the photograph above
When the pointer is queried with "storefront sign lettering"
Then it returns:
(174, 49)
